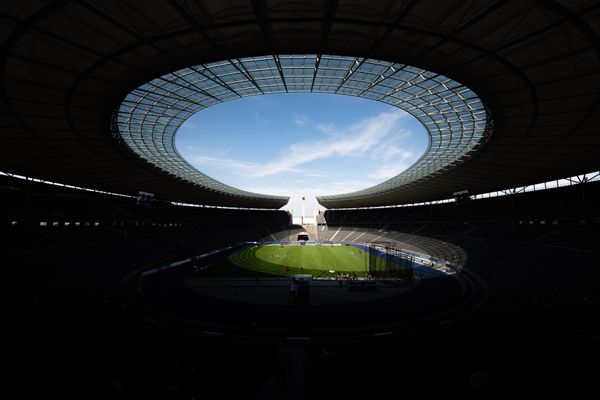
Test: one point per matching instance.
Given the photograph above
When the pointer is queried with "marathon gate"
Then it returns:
(384, 261)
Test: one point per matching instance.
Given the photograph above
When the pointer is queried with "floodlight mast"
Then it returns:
(303, 209)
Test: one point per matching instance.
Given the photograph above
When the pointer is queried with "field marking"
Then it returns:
(317, 259)
(350, 234)
(336, 232)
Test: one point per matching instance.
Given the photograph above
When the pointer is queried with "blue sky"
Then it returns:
(303, 144)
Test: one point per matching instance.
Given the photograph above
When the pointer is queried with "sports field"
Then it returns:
(277, 260)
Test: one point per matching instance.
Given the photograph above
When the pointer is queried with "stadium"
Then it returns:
(130, 273)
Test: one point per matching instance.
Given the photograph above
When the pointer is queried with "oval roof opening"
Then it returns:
(457, 121)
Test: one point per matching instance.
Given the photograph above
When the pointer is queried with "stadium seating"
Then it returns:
(538, 262)
(538, 249)
(64, 237)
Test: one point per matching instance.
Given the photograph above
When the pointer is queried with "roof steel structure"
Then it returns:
(66, 66)
(455, 118)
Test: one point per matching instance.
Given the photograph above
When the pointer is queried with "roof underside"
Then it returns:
(456, 119)
(66, 66)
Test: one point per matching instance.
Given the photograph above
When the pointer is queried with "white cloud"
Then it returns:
(388, 171)
(394, 155)
(315, 174)
(246, 168)
(379, 138)
(356, 140)
(394, 164)
(393, 147)
(260, 120)
(300, 120)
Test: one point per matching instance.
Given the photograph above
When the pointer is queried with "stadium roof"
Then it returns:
(66, 66)
(455, 118)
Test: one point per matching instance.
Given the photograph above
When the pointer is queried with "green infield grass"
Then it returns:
(277, 260)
